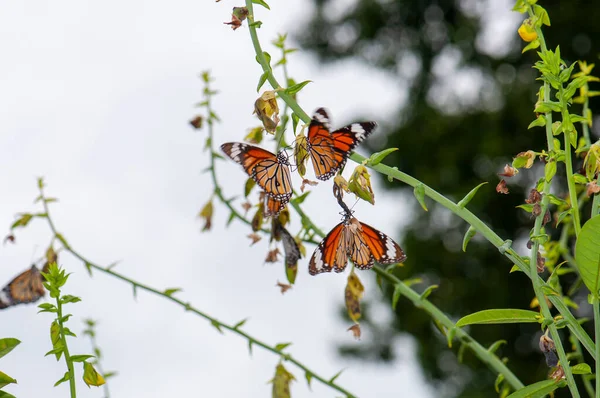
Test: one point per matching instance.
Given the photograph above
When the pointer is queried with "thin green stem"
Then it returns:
(595, 205)
(571, 185)
(96, 351)
(596, 306)
(63, 339)
(584, 378)
(236, 329)
(481, 352)
(586, 109)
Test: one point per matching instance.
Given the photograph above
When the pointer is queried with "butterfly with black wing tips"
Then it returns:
(271, 172)
(26, 288)
(330, 150)
(290, 247)
(359, 241)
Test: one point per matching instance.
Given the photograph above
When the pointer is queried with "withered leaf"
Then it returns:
(254, 238)
(501, 187)
(355, 329)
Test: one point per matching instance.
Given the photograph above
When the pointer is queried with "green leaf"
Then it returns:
(531, 46)
(468, 235)
(450, 336)
(217, 326)
(257, 24)
(538, 390)
(499, 380)
(261, 3)
(67, 298)
(169, 292)
(4, 394)
(579, 179)
(281, 346)
(378, 157)
(22, 221)
(547, 106)
(88, 266)
(90, 376)
(549, 171)
(240, 323)
(562, 216)
(80, 358)
(308, 377)
(465, 201)
(419, 193)
(262, 80)
(64, 378)
(7, 345)
(336, 376)
(295, 120)
(587, 254)
(6, 379)
(428, 291)
(494, 347)
(539, 122)
(396, 296)
(301, 198)
(495, 316)
(581, 369)
(296, 87)
(250, 183)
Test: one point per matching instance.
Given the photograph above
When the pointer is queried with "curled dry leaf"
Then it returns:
(524, 159)
(306, 182)
(353, 293)
(340, 182)
(541, 263)
(547, 218)
(254, 238)
(197, 122)
(206, 214)
(534, 197)
(272, 256)
(283, 286)
(355, 329)
(537, 210)
(501, 187)
(301, 153)
(246, 206)
(9, 238)
(239, 14)
(267, 110)
(592, 188)
(509, 171)
(360, 184)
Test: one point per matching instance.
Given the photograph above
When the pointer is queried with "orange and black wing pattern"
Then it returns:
(383, 248)
(330, 150)
(271, 172)
(331, 254)
(26, 288)
(272, 207)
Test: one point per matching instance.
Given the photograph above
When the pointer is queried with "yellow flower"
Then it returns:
(527, 31)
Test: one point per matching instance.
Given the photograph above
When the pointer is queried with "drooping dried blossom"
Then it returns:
(238, 15)
(254, 238)
(284, 287)
(534, 196)
(509, 171)
(197, 122)
(306, 182)
(541, 263)
(592, 188)
(355, 329)
(272, 256)
(501, 187)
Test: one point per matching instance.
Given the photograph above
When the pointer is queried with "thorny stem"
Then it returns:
(63, 338)
(481, 352)
(188, 307)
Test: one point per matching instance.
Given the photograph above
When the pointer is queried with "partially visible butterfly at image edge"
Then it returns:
(329, 151)
(26, 288)
(271, 172)
(359, 241)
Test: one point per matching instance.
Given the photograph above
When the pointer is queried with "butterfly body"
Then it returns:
(358, 241)
(26, 288)
(271, 172)
(329, 151)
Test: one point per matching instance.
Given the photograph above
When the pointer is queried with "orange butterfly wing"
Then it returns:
(383, 248)
(272, 207)
(331, 252)
(358, 248)
(27, 287)
(271, 173)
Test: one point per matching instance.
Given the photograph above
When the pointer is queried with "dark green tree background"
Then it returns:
(453, 143)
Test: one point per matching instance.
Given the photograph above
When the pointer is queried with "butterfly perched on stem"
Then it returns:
(271, 172)
(330, 150)
(359, 241)
(26, 288)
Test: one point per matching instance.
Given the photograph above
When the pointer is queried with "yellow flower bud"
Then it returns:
(527, 31)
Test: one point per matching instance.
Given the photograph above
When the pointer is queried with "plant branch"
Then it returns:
(65, 348)
(236, 329)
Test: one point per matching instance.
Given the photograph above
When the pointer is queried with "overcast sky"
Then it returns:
(97, 98)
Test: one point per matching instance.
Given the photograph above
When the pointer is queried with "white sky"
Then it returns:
(96, 97)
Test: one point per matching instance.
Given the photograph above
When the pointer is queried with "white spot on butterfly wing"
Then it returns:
(5, 299)
(322, 117)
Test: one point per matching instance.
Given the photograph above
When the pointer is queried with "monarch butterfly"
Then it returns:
(359, 241)
(27, 287)
(271, 172)
(271, 206)
(329, 151)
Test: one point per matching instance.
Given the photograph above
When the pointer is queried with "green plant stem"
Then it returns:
(63, 339)
(481, 352)
(595, 205)
(465, 214)
(571, 185)
(596, 306)
(584, 378)
(98, 365)
(586, 108)
(188, 307)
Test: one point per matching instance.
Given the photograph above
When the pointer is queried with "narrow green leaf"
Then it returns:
(581, 369)
(4, 394)
(562, 216)
(250, 183)
(539, 122)
(88, 266)
(262, 80)
(230, 219)
(419, 193)
(6, 379)
(7, 345)
(450, 336)
(281, 346)
(169, 292)
(465, 201)
(295, 120)
(297, 87)
(428, 291)
(67, 298)
(64, 378)
(240, 323)
(378, 157)
(549, 291)
(250, 342)
(531, 46)
(494, 347)
(396, 296)
(134, 291)
(217, 326)
(538, 390)
(261, 3)
(495, 316)
(80, 358)
(308, 377)
(468, 235)
(332, 380)
(301, 198)
(587, 253)
(499, 381)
